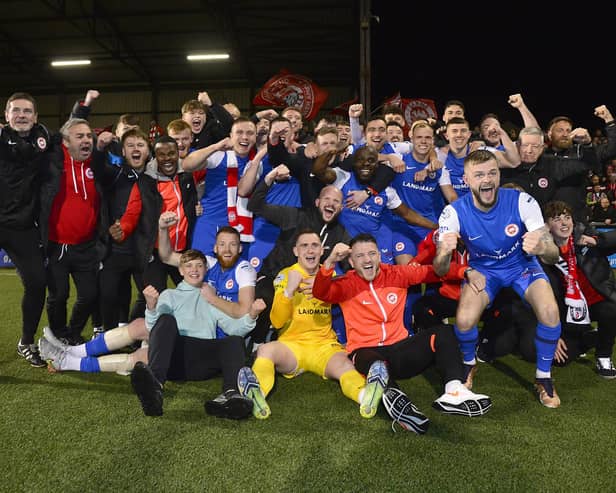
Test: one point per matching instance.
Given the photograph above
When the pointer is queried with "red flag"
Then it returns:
(343, 108)
(418, 109)
(396, 100)
(285, 89)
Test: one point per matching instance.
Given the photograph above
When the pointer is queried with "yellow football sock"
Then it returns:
(265, 372)
(352, 382)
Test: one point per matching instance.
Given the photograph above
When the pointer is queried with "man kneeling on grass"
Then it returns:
(183, 344)
(372, 296)
(307, 341)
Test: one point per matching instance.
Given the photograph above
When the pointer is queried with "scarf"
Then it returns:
(237, 211)
(577, 308)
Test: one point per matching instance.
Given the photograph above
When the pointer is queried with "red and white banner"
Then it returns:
(418, 109)
(286, 89)
(413, 109)
(395, 99)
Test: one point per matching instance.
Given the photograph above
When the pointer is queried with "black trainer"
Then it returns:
(30, 353)
(403, 411)
(230, 404)
(148, 389)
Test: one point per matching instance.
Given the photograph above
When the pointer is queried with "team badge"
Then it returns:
(399, 246)
(41, 143)
(543, 183)
(577, 313)
(255, 261)
(229, 284)
(89, 174)
(392, 298)
(232, 217)
(378, 200)
(511, 230)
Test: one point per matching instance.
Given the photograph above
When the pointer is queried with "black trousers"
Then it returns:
(116, 288)
(264, 289)
(604, 313)
(63, 262)
(412, 356)
(514, 329)
(430, 310)
(24, 249)
(173, 356)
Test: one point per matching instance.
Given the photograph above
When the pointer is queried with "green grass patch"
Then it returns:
(77, 432)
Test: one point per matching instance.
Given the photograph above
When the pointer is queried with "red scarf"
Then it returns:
(577, 308)
(237, 211)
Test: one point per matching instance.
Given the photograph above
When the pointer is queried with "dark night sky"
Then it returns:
(563, 63)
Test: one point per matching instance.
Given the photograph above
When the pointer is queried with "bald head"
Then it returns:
(329, 203)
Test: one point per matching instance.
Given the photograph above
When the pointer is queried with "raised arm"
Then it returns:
(251, 175)
(81, 109)
(357, 135)
(511, 155)
(197, 160)
(321, 168)
(324, 287)
(528, 118)
(444, 248)
(283, 216)
(607, 151)
(165, 252)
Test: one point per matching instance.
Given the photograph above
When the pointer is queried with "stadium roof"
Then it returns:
(145, 44)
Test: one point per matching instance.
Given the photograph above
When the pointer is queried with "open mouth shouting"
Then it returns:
(136, 159)
(487, 195)
(84, 151)
(196, 123)
(328, 212)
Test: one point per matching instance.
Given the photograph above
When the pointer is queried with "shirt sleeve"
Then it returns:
(164, 305)
(530, 212)
(445, 178)
(215, 159)
(233, 326)
(448, 221)
(393, 199)
(245, 274)
(131, 215)
(282, 307)
(341, 177)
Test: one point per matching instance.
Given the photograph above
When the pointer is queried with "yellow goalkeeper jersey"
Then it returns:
(300, 318)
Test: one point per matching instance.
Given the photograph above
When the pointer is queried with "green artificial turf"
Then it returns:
(80, 432)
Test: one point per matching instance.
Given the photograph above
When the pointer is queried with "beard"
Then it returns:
(227, 263)
(481, 202)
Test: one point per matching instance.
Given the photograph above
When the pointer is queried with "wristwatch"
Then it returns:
(466, 271)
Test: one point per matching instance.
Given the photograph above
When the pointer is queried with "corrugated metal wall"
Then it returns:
(54, 109)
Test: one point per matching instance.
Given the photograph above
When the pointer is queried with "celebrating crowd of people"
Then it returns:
(355, 252)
